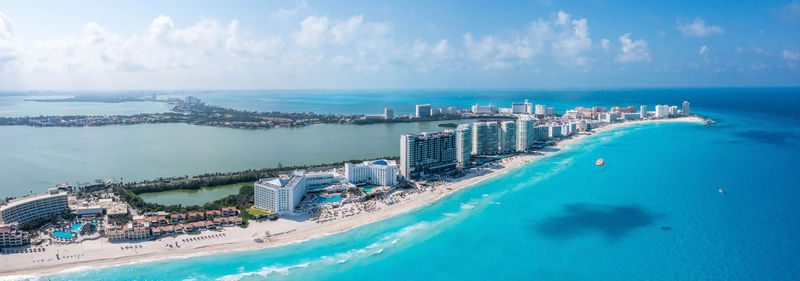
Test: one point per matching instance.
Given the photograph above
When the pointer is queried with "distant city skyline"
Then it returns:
(82, 45)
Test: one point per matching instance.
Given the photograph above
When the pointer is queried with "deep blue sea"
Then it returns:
(653, 213)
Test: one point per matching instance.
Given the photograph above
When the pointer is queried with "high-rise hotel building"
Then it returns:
(485, 138)
(685, 108)
(381, 172)
(28, 208)
(525, 134)
(280, 195)
(423, 111)
(427, 152)
(463, 144)
(508, 136)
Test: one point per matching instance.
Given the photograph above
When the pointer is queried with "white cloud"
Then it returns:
(567, 39)
(313, 31)
(698, 28)
(573, 41)
(604, 43)
(633, 51)
(6, 27)
(703, 50)
(316, 31)
(791, 55)
(8, 51)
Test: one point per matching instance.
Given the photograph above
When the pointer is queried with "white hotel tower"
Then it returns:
(380, 172)
(280, 195)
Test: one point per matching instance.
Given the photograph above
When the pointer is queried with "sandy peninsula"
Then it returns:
(101, 253)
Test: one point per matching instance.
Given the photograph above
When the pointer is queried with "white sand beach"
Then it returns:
(101, 253)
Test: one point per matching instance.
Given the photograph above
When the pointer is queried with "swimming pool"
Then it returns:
(63, 234)
(367, 189)
(76, 226)
(323, 199)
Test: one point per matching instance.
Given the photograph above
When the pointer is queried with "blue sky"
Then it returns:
(77, 45)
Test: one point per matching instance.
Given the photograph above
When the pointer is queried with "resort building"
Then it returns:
(463, 144)
(11, 236)
(477, 108)
(28, 208)
(631, 116)
(423, 111)
(541, 133)
(522, 108)
(485, 138)
(551, 111)
(685, 108)
(662, 111)
(379, 172)
(388, 113)
(540, 110)
(427, 152)
(129, 231)
(508, 136)
(673, 111)
(581, 126)
(554, 131)
(643, 112)
(280, 195)
(525, 134)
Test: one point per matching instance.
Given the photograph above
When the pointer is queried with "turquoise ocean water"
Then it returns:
(654, 213)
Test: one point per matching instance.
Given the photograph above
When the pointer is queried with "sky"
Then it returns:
(354, 44)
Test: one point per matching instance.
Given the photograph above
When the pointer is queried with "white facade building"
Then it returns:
(643, 112)
(28, 208)
(522, 108)
(525, 134)
(540, 110)
(463, 144)
(662, 111)
(554, 131)
(685, 108)
(508, 136)
(477, 108)
(485, 138)
(379, 172)
(280, 195)
(423, 110)
(388, 113)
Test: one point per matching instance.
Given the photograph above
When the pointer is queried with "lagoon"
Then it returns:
(38, 158)
(187, 197)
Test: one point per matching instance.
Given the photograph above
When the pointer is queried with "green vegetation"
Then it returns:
(258, 212)
(243, 200)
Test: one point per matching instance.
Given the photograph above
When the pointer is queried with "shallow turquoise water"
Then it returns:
(653, 213)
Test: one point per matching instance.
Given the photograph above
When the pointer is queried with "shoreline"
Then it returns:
(97, 254)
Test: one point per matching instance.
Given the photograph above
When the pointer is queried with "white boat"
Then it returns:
(378, 252)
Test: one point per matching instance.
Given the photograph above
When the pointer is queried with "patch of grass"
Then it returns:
(258, 212)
